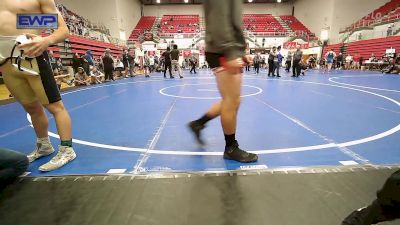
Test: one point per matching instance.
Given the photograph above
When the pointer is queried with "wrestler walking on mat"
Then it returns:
(225, 54)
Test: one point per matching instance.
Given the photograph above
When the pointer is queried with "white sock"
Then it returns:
(45, 140)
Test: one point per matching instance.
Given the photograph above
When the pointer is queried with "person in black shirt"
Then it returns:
(125, 61)
(193, 62)
(12, 164)
(108, 64)
(297, 56)
(257, 61)
(339, 61)
(131, 60)
(386, 207)
(271, 66)
(76, 62)
(167, 63)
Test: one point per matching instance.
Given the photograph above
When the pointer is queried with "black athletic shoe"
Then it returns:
(172, 77)
(278, 76)
(373, 214)
(196, 128)
(233, 152)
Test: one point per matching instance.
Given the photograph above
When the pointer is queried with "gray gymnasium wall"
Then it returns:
(117, 15)
(351, 10)
(335, 14)
(275, 9)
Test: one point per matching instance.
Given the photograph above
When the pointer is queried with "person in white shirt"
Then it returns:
(349, 60)
(119, 67)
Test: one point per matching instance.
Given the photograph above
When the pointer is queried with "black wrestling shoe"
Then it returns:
(373, 214)
(196, 127)
(233, 152)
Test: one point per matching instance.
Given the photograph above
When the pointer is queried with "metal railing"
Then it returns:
(370, 23)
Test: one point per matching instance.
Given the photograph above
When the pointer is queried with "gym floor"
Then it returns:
(138, 125)
(326, 143)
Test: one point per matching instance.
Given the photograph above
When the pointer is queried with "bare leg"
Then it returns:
(63, 121)
(39, 119)
(229, 86)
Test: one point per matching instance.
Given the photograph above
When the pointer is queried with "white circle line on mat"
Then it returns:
(272, 151)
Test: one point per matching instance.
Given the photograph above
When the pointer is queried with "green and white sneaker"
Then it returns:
(65, 155)
(41, 150)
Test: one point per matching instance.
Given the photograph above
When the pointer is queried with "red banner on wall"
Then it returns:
(294, 45)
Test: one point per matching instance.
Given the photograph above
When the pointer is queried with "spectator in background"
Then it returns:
(271, 58)
(167, 63)
(175, 60)
(330, 56)
(339, 61)
(373, 58)
(193, 63)
(297, 56)
(289, 61)
(152, 63)
(81, 78)
(257, 61)
(108, 64)
(146, 64)
(131, 60)
(89, 58)
(52, 60)
(389, 30)
(60, 65)
(125, 61)
(95, 75)
(277, 64)
(349, 59)
(119, 67)
(12, 165)
(311, 62)
(76, 62)
(356, 61)
(85, 64)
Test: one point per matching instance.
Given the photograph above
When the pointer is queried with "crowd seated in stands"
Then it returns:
(81, 26)
(262, 23)
(179, 24)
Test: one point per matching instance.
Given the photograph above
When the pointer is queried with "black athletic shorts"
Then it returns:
(29, 88)
(213, 59)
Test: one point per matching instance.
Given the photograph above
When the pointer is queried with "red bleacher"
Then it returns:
(262, 23)
(81, 45)
(377, 46)
(145, 23)
(387, 12)
(180, 23)
(365, 48)
(334, 47)
(297, 26)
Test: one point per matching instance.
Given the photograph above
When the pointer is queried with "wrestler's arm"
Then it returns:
(40, 44)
